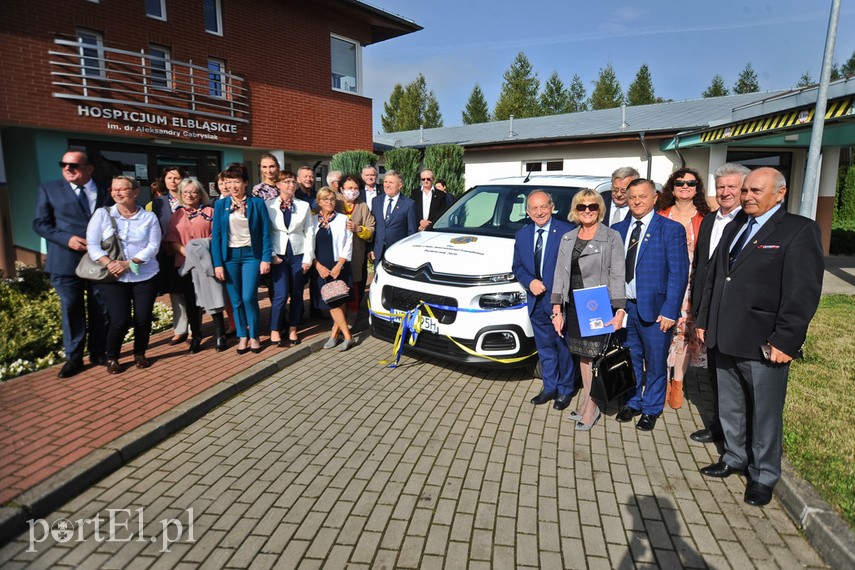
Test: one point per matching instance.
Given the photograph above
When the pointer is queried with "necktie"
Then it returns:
(388, 209)
(538, 254)
(632, 251)
(84, 200)
(740, 243)
(616, 217)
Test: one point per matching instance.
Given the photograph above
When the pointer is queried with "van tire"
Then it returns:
(535, 370)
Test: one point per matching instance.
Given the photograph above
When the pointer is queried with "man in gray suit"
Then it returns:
(761, 294)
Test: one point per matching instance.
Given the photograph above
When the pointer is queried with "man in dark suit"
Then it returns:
(430, 202)
(395, 215)
(371, 189)
(535, 257)
(728, 186)
(657, 272)
(760, 297)
(617, 209)
(63, 209)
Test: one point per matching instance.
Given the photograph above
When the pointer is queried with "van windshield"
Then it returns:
(498, 210)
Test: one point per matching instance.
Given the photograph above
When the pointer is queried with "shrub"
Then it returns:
(446, 162)
(842, 238)
(846, 212)
(404, 161)
(353, 161)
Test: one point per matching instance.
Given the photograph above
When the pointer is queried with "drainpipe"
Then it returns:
(677, 150)
(623, 124)
(511, 127)
(421, 134)
(647, 153)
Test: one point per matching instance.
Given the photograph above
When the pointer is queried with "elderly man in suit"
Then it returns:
(759, 299)
(657, 272)
(63, 210)
(430, 202)
(371, 189)
(535, 256)
(394, 214)
(728, 186)
(617, 210)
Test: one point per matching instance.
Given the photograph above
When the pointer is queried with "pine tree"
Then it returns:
(476, 110)
(411, 107)
(805, 80)
(577, 95)
(716, 88)
(747, 81)
(554, 99)
(640, 91)
(848, 68)
(607, 92)
(519, 91)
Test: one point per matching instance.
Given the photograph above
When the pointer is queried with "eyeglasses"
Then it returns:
(329, 199)
(589, 207)
(70, 165)
(426, 179)
(121, 190)
(689, 183)
(618, 190)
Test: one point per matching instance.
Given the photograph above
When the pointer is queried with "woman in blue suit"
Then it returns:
(241, 251)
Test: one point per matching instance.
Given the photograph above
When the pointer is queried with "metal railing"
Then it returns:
(100, 74)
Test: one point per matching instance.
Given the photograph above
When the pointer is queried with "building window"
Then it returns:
(91, 53)
(213, 16)
(554, 165)
(544, 166)
(346, 64)
(160, 67)
(216, 69)
(155, 9)
(533, 166)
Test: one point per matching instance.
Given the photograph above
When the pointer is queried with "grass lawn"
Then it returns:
(819, 434)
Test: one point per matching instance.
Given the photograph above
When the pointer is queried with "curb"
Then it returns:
(824, 528)
(59, 488)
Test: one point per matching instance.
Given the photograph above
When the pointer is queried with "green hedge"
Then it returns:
(842, 238)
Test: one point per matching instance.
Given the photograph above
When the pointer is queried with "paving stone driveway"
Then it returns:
(337, 461)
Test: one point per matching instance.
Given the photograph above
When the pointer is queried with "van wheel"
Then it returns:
(535, 370)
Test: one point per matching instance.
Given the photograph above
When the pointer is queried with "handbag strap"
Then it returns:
(115, 235)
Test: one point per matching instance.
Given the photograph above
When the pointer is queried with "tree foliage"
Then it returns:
(716, 88)
(747, 81)
(476, 110)
(805, 80)
(554, 99)
(519, 91)
(846, 210)
(640, 91)
(353, 161)
(446, 162)
(411, 107)
(607, 92)
(577, 95)
(848, 68)
(404, 161)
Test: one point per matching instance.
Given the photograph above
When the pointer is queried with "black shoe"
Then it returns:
(647, 422)
(705, 436)
(719, 470)
(178, 339)
(561, 402)
(113, 367)
(99, 360)
(195, 345)
(758, 494)
(243, 350)
(626, 414)
(140, 361)
(543, 397)
(221, 343)
(70, 368)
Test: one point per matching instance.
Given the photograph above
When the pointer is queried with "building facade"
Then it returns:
(198, 83)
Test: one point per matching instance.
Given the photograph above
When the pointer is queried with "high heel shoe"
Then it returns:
(195, 345)
(574, 416)
(243, 350)
(221, 344)
(587, 427)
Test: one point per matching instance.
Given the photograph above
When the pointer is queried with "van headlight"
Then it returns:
(502, 300)
(501, 278)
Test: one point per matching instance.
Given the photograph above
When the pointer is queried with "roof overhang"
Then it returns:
(384, 25)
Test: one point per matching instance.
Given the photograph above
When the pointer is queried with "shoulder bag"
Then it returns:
(613, 372)
(95, 270)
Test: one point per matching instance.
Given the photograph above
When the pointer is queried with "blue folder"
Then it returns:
(594, 310)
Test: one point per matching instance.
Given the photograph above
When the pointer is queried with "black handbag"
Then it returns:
(613, 372)
(95, 270)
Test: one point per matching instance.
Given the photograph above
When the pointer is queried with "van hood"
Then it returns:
(454, 254)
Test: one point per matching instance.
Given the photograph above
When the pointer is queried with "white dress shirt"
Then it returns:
(139, 236)
(617, 214)
(426, 200)
(645, 223)
(370, 195)
(718, 227)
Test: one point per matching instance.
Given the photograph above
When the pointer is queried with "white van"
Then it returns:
(461, 269)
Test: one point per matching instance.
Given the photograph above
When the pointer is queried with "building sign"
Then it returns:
(157, 124)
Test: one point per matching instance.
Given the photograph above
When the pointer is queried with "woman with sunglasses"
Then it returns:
(589, 256)
(683, 200)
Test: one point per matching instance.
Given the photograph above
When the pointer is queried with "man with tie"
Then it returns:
(657, 272)
(535, 257)
(429, 200)
(616, 207)
(63, 209)
(728, 186)
(394, 214)
(761, 294)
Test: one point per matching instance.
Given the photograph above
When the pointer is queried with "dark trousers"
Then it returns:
(556, 362)
(288, 284)
(715, 423)
(120, 298)
(194, 313)
(79, 297)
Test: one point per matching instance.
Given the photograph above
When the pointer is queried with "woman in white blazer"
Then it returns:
(333, 252)
(293, 237)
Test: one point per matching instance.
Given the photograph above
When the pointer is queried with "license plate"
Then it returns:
(430, 324)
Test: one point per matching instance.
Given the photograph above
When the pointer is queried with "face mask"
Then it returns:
(350, 194)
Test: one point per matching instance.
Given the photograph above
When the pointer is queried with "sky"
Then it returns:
(684, 43)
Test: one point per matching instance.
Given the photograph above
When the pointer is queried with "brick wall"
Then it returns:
(281, 47)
